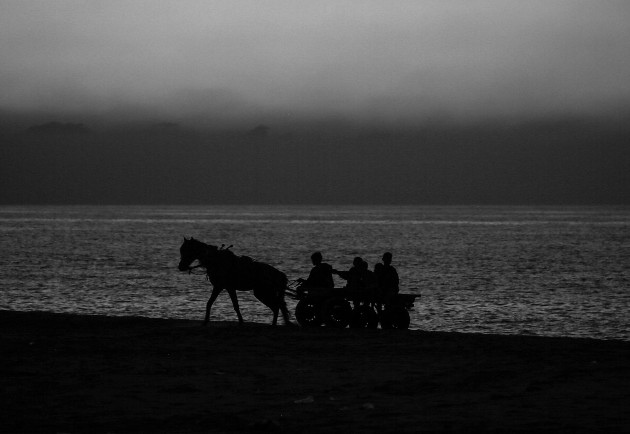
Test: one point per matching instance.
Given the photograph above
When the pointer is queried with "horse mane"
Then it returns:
(201, 243)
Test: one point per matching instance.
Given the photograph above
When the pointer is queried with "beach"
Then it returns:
(72, 373)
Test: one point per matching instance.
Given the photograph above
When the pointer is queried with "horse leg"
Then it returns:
(286, 316)
(232, 293)
(275, 315)
(215, 293)
(269, 299)
(280, 305)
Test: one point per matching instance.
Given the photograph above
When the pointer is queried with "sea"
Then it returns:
(548, 271)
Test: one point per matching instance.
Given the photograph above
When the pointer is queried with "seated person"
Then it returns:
(369, 281)
(353, 275)
(387, 277)
(360, 278)
(320, 275)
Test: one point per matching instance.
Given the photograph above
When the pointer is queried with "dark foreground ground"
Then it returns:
(68, 373)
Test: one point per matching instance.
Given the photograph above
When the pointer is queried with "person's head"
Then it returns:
(357, 262)
(316, 258)
(387, 258)
(364, 265)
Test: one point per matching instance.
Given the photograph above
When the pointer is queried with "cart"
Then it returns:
(343, 307)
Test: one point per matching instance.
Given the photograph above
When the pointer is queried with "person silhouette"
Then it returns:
(361, 280)
(387, 276)
(320, 275)
(353, 275)
(369, 282)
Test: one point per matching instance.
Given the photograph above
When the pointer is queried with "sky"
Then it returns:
(358, 101)
(369, 61)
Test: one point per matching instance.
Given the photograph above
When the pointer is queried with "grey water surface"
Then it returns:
(555, 271)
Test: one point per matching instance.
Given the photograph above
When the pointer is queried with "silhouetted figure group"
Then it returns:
(380, 284)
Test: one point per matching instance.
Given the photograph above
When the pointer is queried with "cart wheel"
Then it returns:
(337, 313)
(395, 317)
(308, 313)
(364, 316)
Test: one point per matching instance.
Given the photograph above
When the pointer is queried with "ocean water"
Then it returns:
(510, 270)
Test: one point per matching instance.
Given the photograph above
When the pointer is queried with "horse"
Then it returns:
(226, 270)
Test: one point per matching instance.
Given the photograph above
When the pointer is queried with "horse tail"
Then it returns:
(282, 291)
(270, 284)
(281, 301)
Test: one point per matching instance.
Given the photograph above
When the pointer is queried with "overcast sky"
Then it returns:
(237, 64)
(393, 61)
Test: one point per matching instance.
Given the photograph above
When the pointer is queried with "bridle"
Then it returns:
(195, 256)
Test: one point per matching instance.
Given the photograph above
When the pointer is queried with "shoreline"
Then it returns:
(77, 373)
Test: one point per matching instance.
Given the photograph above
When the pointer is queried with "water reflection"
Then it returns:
(485, 269)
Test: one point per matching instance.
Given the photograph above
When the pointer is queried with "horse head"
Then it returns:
(190, 251)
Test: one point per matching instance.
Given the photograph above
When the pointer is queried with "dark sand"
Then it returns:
(68, 373)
